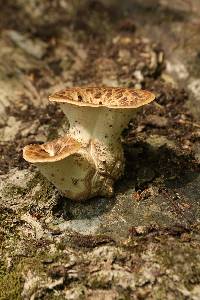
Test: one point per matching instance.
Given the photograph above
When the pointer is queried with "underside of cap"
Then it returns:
(52, 151)
(110, 97)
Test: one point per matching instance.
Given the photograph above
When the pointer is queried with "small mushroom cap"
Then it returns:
(51, 151)
(110, 97)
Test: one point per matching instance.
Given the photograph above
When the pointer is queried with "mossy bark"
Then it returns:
(144, 242)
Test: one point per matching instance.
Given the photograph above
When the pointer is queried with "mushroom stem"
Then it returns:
(99, 130)
(103, 124)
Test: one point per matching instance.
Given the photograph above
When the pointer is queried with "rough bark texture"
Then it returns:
(144, 242)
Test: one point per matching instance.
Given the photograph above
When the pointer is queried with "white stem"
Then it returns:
(97, 123)
(99, 130)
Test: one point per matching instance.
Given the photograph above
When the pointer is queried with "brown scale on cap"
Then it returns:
(110, 97)
(51, 151)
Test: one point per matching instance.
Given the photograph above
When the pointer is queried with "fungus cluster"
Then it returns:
(88, 160)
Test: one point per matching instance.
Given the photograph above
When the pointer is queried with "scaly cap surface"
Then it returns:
(110, 97)
(51, 151)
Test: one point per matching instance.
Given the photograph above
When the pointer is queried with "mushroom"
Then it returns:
(90, 158)
(63, 162)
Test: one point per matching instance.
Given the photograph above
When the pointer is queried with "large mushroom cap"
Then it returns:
(52, 151)
(110, 97)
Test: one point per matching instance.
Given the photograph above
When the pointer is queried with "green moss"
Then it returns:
(12, 190)
(99, 281)
(11, 282)
(2, 269)
(183, 260)
(46, 187)
(10, 285)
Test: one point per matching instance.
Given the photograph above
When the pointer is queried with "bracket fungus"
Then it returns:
(88, 160)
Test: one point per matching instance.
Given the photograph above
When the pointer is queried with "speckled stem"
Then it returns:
(99, 130)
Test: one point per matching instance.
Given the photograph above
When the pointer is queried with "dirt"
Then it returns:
(144, 242)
